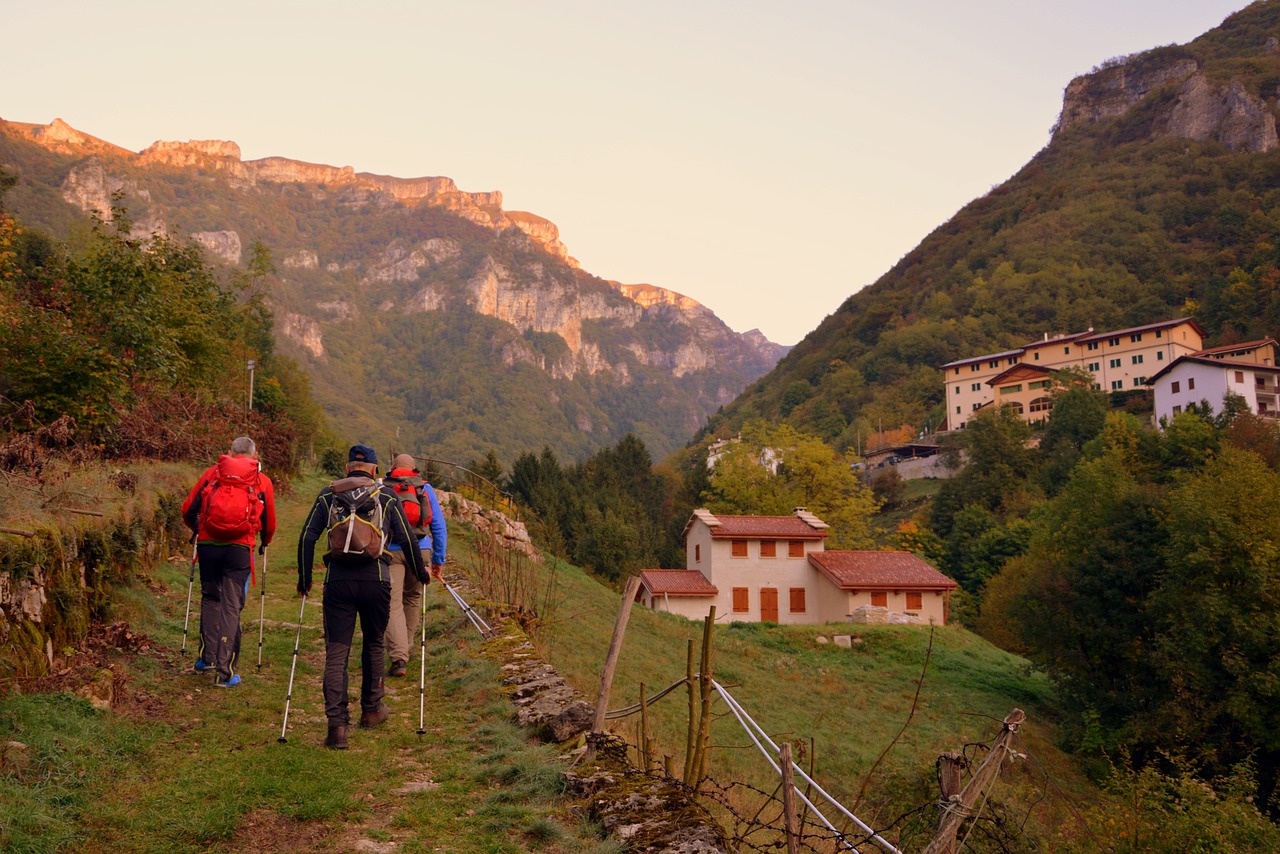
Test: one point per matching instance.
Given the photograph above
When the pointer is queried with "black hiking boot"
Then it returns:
(398, 668)
(337, 738)
(369, 720)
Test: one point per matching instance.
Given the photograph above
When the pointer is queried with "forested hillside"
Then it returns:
(1158, 197)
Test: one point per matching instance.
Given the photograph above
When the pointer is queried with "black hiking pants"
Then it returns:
(344, 601)
(224, 576)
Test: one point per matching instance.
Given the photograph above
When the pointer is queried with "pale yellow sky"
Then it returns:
(766, 159)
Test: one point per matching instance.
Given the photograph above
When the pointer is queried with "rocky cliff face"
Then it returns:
(1199, 109)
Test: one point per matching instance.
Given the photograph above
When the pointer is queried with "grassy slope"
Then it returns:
(199, 769)
(851, 702)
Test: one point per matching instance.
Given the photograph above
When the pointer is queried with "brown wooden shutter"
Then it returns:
(797, 600)
(741, 600)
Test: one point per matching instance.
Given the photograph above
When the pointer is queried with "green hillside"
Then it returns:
(1119, 221)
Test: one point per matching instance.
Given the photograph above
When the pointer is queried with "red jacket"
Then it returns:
(267, 523)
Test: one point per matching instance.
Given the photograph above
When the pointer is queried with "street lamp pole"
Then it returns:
(252, 364)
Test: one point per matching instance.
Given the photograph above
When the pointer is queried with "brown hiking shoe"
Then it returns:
(398, 668)
(369, 720)
(337, 738)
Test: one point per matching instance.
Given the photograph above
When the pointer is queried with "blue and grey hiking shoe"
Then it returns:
(230, 683)
(203, 666)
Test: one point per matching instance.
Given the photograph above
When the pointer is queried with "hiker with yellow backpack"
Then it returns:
(357, 517)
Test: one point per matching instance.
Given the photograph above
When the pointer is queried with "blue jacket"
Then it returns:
(437, 541)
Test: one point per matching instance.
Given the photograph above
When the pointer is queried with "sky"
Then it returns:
(766, 159)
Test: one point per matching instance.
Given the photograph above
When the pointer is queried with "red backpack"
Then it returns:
(230, 503)
(409, 491)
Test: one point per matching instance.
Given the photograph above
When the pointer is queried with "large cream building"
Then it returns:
(1119, 361)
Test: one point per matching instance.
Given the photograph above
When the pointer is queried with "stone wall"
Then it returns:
(55, 583)
(513, 534)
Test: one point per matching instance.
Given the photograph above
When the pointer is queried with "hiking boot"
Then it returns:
(230, 683)
(369, 720)
(337, 737)
(202, 666)
(398, 668)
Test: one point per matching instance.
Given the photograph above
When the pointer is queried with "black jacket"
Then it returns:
(395, 530)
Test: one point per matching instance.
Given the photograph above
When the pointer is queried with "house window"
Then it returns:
(1117, 385)
(1115, 363)
(880, 599)
(957, 371)
(915, 601)
(1011, 389)
(1039, 384)
(741, 601)
(1175, 387)
(1136, 337)
(797, 600)
(1159, 355)
(1012, 360)
(1037, 356)
(1093, 345)
(957, 410)
(1041, 404)
(1139, 382)
(739, 548)
(994, 363)
(977, 406)
(795, 548)
(1191, 383)
(1177, 409)
(697, 552)
(976, 387)
(1016, 405)
(1137, 360)
(768, 548)
(1066, 351)
(1159, 333)
(1095, 366)
(974, 368)
(1113, 342)
(1239, 376)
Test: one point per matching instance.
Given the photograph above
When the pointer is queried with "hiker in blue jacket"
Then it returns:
(422, 509)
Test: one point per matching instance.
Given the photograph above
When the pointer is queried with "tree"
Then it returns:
(809, 473)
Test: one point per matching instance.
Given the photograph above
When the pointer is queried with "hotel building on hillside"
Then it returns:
(1119, 361)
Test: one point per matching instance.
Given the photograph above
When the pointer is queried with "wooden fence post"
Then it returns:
(693, 717)
(789, 798)
(956, 809)
(704, 718)
(611, 662)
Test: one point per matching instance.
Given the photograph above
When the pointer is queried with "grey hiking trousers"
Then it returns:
(224, 576)
(345, 599)
(406, 608)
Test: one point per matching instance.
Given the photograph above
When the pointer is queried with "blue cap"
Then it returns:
(362, 454)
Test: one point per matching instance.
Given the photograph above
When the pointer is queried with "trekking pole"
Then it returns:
(422, 669)
(289, 696)
(262, 605)
(476, 620)
(191, 582)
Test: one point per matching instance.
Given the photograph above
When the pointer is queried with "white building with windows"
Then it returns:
(1121, 360)
(1248, 370)
(776, 569)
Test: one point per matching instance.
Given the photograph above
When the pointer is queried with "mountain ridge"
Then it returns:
(355, 249)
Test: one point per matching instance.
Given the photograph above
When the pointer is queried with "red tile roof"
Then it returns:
(1232, 348)
(802, 525)
(868, 570)
(677, 582)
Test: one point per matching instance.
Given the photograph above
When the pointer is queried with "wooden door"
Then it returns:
(768, 604)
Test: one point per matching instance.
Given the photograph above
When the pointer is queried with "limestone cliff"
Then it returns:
(1197, 107)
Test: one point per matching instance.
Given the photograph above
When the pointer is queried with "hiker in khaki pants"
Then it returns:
(422, 510)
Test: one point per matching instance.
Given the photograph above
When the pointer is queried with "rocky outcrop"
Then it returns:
(1114, 90)
(224, 245)
(544, 232)
(1200, 110)
(1229, 114)
(305, 332)
(510, 533)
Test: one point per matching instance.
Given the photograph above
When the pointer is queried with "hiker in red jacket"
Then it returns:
(232, 504)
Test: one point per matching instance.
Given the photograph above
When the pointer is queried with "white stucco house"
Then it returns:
(776, 569)
(1247, 370)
